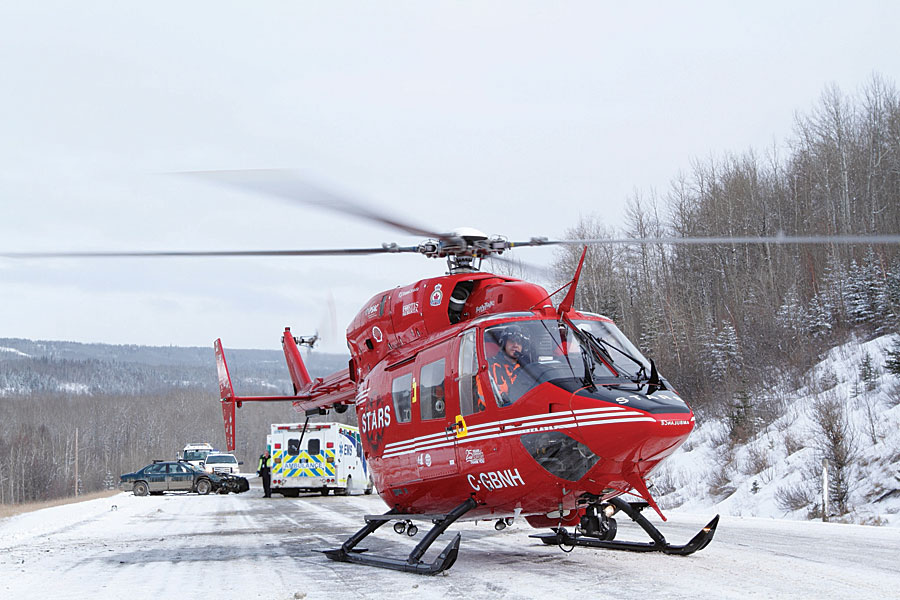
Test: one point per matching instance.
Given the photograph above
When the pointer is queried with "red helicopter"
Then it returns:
(477, 398)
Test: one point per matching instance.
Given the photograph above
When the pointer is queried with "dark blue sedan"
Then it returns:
(169, 476)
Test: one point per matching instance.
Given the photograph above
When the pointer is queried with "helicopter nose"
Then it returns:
(605, 436)
(637, 438)
(664, 435)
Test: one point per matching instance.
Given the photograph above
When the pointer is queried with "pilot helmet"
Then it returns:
(514, 333)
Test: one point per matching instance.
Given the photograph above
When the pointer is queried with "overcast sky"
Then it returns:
(511, 117)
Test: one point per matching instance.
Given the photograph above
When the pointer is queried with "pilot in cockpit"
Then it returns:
(505, 364)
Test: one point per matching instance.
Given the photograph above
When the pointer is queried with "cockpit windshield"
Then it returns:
(627, 359)
(523, 354)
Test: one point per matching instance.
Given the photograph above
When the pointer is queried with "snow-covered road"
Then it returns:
(245, 546)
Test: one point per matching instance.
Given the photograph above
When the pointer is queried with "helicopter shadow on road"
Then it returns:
(195, 553)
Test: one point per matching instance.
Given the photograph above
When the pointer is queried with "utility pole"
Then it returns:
(76, 461)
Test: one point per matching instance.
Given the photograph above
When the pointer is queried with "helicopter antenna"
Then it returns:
(566, 305)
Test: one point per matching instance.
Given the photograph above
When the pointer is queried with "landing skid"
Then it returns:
(659, 544)
(413, 563)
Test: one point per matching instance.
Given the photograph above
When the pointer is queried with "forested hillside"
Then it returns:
(728, 322)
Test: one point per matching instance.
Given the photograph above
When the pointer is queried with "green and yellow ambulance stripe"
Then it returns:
(304, 465)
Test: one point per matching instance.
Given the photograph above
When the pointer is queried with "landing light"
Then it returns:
(609, 510)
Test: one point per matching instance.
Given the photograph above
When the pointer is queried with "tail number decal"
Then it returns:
(494, 480)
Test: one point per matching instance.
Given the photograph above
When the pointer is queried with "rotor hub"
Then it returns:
(463, 247)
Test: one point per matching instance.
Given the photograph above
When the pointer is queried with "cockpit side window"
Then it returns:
(471, 398)
(508, 348)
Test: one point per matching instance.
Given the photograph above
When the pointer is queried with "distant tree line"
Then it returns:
(728, 320)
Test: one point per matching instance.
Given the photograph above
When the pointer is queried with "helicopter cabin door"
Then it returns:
(436, 409)
(478, 412)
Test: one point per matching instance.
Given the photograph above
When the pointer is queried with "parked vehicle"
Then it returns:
(196, 453)
(317, 457)
(170, 476)
(222, 463)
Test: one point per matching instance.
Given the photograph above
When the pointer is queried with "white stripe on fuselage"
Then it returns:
(495, 425)
(508, 427)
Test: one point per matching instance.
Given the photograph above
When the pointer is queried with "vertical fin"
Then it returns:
(226, 395)
(299, 374)
(225, 388)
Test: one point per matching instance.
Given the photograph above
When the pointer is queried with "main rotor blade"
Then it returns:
(516, 264)
(288, 185)
(714, 240)
(387, 249)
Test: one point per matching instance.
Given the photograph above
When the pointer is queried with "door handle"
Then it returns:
(459, 427)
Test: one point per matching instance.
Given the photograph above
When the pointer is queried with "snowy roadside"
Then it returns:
(10, 510)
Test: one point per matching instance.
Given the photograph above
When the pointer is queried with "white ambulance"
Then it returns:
(317, 457)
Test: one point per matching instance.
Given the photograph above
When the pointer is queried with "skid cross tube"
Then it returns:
(659, 544)
(392, 516)
(412, 564)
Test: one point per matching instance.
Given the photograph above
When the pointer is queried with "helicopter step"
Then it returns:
(413, 563)
(602, 537)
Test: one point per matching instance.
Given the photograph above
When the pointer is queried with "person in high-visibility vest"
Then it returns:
(265, 471)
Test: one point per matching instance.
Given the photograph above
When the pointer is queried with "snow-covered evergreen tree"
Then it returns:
(891, 297)
(819, 317)
(868, 373)
(859, 301)
(884, 320)
(892, 364)
(726, 353)
(876, 293)
(791, 315)
(651, 327)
